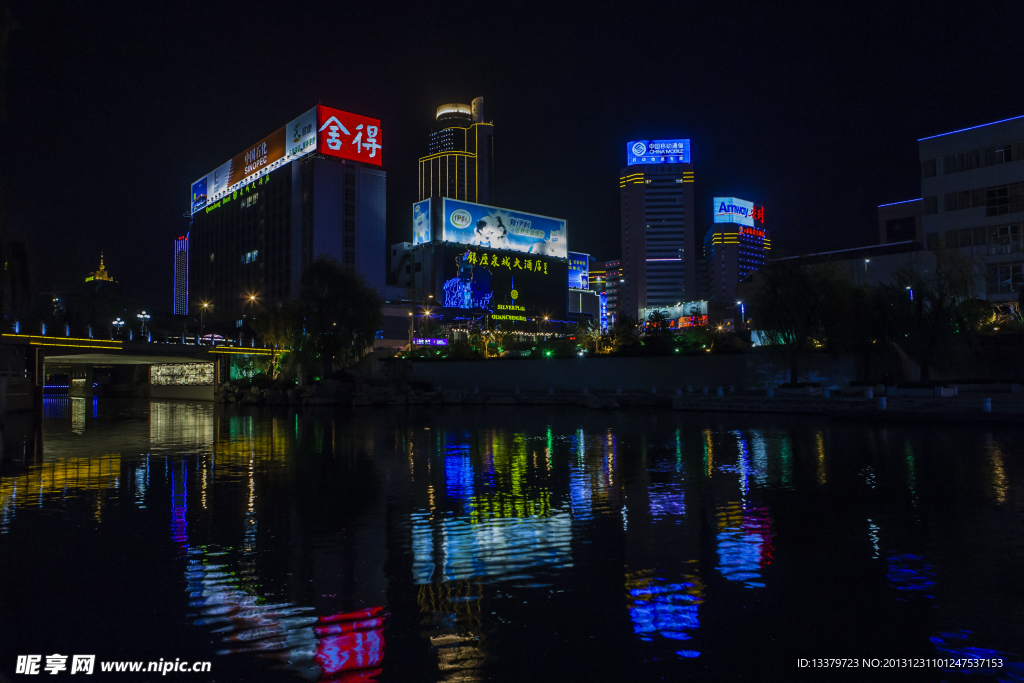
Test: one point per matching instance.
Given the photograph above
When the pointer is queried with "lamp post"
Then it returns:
(202, 311)
(742, 315)
(144, 317)
(118, 324)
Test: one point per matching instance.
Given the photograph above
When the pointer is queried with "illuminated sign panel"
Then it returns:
(489, 226)
(657, 152)
(512, 287)
(349, 136)
(181, 374)
(733, 210)
(339, 134)
(579, 270)
(421, 233)
(686, 314)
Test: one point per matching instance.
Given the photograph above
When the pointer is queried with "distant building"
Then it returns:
(734, 248)
(181, 275)
(460, 155)
(972, 189)
(901, 222)
(659, 240)
(313, 188)
(100, 275)
(613, 276)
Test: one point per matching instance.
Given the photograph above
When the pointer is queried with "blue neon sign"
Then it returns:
(657, 152)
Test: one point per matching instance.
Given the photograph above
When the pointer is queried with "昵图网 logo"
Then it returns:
(639, 148)
(461, 218)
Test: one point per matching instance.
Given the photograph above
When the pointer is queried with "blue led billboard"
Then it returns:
(421, 233)
(488, 226)
(658, 152)
(579, 270)
(733, 210)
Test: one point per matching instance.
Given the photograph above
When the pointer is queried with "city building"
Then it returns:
(472, 262)
(460, 155)
(313, 188)
(901, 222)
(972, 189)
(734, 248)
(613, 276)
(100, 275)
(659, 240)
(181, 275)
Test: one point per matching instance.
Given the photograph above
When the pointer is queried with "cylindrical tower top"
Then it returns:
(454, 110)
(478, 110)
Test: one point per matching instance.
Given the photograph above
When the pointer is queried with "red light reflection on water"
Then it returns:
(351, 645)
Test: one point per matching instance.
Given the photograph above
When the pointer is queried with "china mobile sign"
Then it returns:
(330, 132)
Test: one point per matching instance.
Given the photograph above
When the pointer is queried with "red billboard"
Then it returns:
(348, 136)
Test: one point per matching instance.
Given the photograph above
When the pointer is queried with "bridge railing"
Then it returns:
(128, 334)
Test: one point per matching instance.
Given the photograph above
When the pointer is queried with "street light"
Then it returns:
(118, 324)
(205, 305)
(743, 316)
(144, 317)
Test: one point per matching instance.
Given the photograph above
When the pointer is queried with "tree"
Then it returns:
(276, 328)
(339, 314)
(933, 317)
(625, 332)
(797, 308)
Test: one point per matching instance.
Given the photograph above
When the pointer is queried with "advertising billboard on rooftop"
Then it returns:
(489, 226)
(733, 210)
(421, 232)
(340, 134)
(658, 152)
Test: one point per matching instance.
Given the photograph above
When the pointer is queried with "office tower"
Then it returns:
(312, 188)
(460, 155)
(659, 248)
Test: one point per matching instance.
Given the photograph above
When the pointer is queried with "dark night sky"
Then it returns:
(112, 110)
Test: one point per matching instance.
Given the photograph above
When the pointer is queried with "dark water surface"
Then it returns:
(517, 544)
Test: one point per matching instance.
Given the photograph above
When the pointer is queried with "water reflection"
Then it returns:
(480, 545)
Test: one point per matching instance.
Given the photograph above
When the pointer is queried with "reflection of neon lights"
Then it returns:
(666, 500)
(179, 510)
(458, 469)
(491, 547)
(668, 609)
(912, 574)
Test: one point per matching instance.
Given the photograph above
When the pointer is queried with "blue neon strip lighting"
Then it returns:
(971, 128)
(903, 202)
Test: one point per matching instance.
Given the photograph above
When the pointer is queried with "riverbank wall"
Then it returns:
(754, 370)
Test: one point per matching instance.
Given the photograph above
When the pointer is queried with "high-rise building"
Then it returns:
(312, 188)
(99, 275)
(460, 155)
(972, 189)
(181, 275)
(613, 276)
(659, 244)
(734, 248)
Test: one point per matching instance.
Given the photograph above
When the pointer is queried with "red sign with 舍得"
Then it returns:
(348, 136)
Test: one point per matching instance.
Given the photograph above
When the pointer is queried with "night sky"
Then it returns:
(113, 109)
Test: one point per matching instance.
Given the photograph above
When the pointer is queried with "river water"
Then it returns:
(518, 544)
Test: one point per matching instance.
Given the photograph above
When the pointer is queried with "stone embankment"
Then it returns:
(956, 408)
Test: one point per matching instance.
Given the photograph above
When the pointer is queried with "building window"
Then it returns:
(1004, 278)
(932, 240)
(1004, 199)
(1004, 239)
(928, 168)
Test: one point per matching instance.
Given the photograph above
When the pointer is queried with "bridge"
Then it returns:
(30, 358)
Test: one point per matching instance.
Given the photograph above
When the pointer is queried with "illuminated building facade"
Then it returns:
(613, 275)
(460, 155)
(181, 275)
(734, 249)
(314, 188)
(659, 242)
(100, 274)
